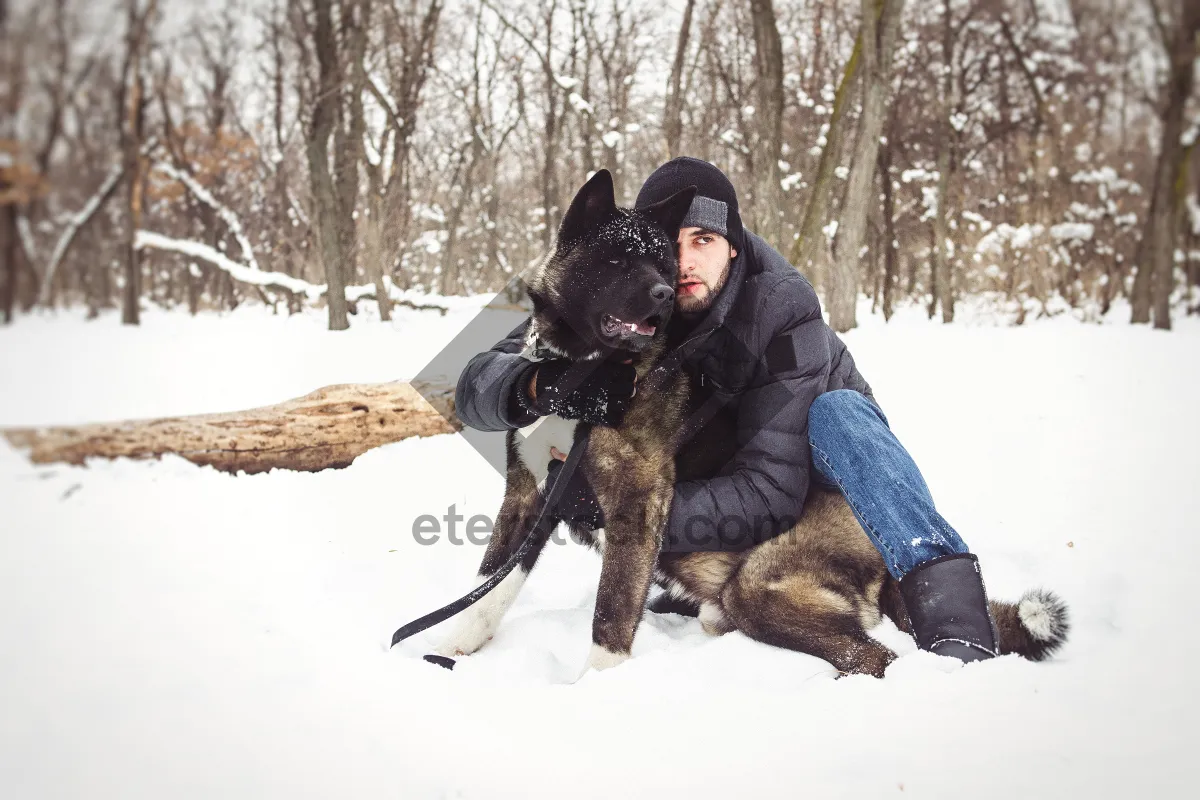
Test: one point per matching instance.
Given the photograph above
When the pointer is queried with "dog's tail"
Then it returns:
(1033, 627)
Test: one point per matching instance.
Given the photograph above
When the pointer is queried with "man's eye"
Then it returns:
(703, 239)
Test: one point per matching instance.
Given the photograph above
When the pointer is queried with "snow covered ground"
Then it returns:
(170, 631)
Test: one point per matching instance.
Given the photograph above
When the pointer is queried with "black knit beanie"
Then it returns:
(715, 207)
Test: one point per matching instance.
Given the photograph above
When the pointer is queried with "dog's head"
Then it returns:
(609, 284)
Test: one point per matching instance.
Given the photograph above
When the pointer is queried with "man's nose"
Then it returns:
(685, 265)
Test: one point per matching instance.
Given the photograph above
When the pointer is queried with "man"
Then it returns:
(749, 332)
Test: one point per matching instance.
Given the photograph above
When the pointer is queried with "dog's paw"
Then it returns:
(601, 658)
(470, 634)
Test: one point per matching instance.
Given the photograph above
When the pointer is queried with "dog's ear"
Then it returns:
(668, 214)
(593, 205)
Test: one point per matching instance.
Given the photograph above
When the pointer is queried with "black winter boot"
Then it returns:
(948, 608)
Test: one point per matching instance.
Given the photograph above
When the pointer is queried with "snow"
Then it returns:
(171, 631)
(429, 241)
(1078, 231)
(918, 174)
(1017, 237)
(580, 105)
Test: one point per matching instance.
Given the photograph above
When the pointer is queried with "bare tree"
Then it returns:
(12, 193)
(409, 37)
(131, 107)
(1156, 262)
(540, 39)
(811, 247)
(768, 62)
(941, 276)
(878, 40)
(415, 144)
(335, 222)
(673, 117)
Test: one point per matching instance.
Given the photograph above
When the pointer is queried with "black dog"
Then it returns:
(606, 292)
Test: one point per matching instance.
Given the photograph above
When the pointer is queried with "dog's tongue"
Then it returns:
(639, 327)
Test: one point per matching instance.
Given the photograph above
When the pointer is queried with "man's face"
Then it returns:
(704, 259)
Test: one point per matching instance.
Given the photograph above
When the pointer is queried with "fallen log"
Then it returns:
(326, 429)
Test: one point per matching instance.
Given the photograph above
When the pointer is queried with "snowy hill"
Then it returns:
(171, 631)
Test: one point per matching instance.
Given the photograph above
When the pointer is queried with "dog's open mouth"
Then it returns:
(613, 326)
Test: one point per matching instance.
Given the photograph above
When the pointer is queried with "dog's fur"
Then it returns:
(817, 588)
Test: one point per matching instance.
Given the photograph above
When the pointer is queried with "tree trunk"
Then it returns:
(890, 267)
(8, 133)
(407, 84)
(933, 272)
(943, 279)
(859, 200)
(941, 231)
(326, 429)
(1156, 262)
(768, 63)
(810, 244)
(328, 211)
(8, 251)
(673, 118)
(549, 166)
(348, 148)
(134, 164)
(451, 269)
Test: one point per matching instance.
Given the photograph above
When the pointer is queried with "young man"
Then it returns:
(752, 338)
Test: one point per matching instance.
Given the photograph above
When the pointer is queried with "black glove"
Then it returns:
(578, 503)
(595, 392)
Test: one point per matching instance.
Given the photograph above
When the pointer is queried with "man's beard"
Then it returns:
(692, 304)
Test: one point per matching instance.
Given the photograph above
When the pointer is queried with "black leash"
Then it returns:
(552, 498)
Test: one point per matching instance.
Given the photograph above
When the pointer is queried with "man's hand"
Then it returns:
(596, 393)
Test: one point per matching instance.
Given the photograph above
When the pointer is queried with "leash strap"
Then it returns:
(552, 498)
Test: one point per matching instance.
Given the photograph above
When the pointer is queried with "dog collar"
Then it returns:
(536, 349)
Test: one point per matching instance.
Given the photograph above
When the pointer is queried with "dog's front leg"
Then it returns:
(632, 538)
(522, 505)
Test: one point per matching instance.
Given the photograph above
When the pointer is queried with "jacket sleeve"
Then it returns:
(486, 395)
(761, 491)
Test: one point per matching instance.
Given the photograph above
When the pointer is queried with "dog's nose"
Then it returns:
(662, 293)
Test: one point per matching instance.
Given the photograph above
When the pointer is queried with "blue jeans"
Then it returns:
(855, 452)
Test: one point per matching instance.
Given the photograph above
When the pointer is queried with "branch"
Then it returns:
(239, 272)
(377, 93)
(27, 241)
(1030, 78)
(223, 211)
(544, 58)
(274, 280)
(94, 204)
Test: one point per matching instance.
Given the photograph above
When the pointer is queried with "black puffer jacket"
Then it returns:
(761, 356)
